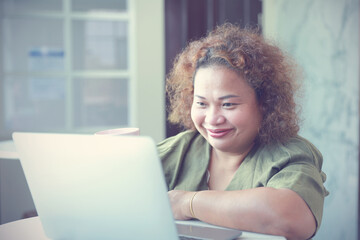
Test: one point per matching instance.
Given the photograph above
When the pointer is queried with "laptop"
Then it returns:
(101, 187)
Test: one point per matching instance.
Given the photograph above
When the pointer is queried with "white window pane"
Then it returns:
(34, 104)
(33, 45)
(96, 5)
(19, 6)
(100, 45)
(101, 102)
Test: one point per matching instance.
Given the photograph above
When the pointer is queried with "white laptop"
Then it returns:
(101, 187)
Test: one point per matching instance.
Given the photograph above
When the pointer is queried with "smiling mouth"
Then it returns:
(218, 133)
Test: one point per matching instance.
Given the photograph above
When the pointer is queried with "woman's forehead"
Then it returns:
(217, 75)
(220, 82)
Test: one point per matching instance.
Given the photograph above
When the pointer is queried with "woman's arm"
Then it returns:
(264, 210)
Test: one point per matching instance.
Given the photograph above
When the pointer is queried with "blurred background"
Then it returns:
(80, 66)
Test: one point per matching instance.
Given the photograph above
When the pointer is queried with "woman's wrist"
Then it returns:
(191, 205)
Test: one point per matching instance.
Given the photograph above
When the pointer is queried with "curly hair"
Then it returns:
(272, 74)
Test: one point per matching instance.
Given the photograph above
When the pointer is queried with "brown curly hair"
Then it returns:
(272, 74)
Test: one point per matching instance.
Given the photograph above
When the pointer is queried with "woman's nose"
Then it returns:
(214, 117)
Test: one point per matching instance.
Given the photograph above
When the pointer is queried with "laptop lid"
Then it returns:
(96, 187)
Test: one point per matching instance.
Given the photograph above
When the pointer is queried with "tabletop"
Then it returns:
(31, 229)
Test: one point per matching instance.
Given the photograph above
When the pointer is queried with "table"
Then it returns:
(31, 229)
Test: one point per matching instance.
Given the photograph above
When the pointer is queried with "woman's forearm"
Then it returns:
(265, 210)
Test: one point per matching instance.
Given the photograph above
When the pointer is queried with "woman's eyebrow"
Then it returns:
(228, 96)
(220, 98)
(199, 97)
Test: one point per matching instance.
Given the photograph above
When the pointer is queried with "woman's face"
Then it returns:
(225, 110)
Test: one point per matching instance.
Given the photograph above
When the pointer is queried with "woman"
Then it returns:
(241, 163)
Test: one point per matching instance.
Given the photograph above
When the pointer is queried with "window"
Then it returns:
(82, 66)
(64, 65)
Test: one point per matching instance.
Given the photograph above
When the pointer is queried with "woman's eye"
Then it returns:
(229, 105)
(201, 104)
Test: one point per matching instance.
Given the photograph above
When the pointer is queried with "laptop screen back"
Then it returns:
(96, 187)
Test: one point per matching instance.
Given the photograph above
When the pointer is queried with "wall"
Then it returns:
(149, 67)
(323, 36)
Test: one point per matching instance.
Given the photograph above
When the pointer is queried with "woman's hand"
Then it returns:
(180, 204)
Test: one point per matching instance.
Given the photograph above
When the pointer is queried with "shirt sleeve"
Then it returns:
(184, 159)
(301, 172)
(172, 152)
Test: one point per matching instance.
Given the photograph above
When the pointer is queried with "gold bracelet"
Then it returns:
(191, 205)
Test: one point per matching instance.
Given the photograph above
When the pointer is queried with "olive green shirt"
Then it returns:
(295, 165)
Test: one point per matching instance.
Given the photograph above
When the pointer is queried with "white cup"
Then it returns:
(119, 132)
